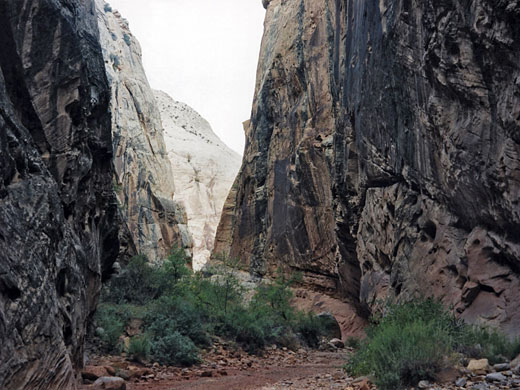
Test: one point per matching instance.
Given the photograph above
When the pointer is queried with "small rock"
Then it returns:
(502, 367)
(222, 372)
(109, 383)
(461, 382)
(110, 370)
(337, 343)
(423, 385)
(495, 377)
(206, 374)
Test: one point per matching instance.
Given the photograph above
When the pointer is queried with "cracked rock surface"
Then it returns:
(143, 177)
(383, 153)
(58, 212)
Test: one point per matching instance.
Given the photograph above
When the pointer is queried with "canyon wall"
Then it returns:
(58, 212)
(143, 179)
(383, 153)
(204, 169)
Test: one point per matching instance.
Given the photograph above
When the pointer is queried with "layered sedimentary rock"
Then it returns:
(382, 157)
(204, 169)
(143, 178)
(58, 225)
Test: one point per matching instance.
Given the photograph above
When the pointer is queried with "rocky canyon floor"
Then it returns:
(226, 368)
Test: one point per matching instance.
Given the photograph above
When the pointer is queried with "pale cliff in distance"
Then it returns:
(204, 169)
(144, 180)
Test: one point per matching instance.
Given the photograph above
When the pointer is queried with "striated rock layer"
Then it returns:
(382, 156)
(204, 169)
(58, 225)
(143, 179)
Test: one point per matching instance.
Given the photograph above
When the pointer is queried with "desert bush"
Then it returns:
(173, 276)
(137, 284)
(485, 342)
(174, 348)
(139, 348)
(412, 341)
(112, 321)
(353, 342)
(310, 327)
(170, 314)
(177, 305)
(275, 298)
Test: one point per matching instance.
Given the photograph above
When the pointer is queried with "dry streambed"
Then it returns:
(228, 368)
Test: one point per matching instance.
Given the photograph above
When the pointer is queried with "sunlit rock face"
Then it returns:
(143, 179)
(382, 156)
(58, 212)
(204, 169)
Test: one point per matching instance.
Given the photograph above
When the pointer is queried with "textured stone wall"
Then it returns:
(382, 156)
(153, 221)
(58, 225)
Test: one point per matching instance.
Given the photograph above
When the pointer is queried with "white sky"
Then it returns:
(203, 53)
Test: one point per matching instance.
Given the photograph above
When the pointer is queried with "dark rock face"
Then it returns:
(58, 230)
(383, 154)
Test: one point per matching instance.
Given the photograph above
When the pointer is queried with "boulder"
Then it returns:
(92, 373)
(109, 383)
(502, 367)
(496, 377)
(424, 385)
(515, 362)
(337, 343)
(478, 367)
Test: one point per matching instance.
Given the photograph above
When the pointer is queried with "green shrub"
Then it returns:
(414, 340)
(141, 282)
(139, 348)
(485, 342)
(353, 342)
(181, 310)
(137, 283)
(174, 314)
(402, 355)
(310, 327)
(112, 320)
(174, 348)
(275, 298)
